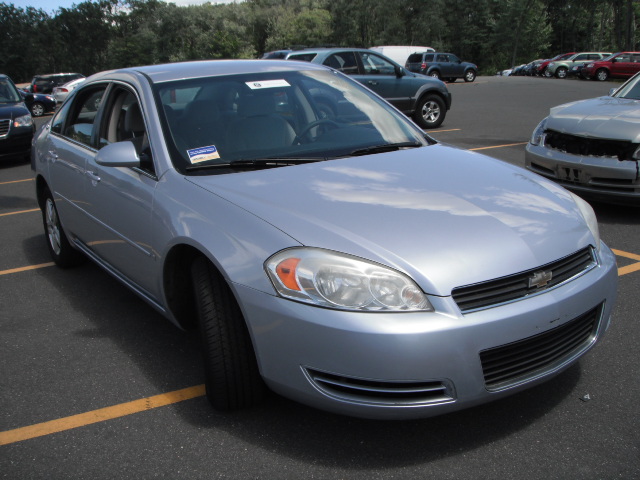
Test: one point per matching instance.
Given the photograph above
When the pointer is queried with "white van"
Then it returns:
(400, 53)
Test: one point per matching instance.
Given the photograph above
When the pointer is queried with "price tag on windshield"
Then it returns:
(267, 84)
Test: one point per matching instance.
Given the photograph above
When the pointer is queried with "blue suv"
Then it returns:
(424, 99)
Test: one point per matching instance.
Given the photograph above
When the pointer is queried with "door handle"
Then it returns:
(95, 178)
(53, 155)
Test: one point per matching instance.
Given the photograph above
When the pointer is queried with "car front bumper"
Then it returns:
(603, 178)
(16, 144)
(413, 365)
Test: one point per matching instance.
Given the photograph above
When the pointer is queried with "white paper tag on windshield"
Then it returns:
(267, 84)
(202, 154)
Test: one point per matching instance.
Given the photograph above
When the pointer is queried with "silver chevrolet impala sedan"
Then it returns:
(322, 244)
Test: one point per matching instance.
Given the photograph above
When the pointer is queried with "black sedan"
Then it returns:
(40, 104)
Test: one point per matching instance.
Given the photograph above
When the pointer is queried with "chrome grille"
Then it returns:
(517, 362)
(597, 147)
(379, 392)
(514, 287)
(4, 127)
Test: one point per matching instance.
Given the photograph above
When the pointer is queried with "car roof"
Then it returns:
(209, 68)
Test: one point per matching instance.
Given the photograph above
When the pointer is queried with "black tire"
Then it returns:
(451, 79)
(37, 109)
(435, 74)
(561, 72)
(430, 111)
(602, 74)
(61, 251)
(469, 75)
(232, 378)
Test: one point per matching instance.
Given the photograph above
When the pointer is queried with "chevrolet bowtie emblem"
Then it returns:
(540, 279)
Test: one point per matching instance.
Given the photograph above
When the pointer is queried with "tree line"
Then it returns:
(104, 34)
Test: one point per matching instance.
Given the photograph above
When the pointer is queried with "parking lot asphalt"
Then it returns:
(95, 384)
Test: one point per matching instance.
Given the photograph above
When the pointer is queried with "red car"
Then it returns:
(618, 65)
(541, 69)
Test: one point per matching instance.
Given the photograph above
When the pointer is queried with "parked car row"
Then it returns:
(585, 65)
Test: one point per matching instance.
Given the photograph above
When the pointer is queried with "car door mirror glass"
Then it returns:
(120, 154)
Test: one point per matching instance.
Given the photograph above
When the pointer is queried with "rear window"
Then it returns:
(303, 57)
(415, 58)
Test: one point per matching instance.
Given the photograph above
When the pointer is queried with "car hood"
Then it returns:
(444, 216)
(12, 110)
(603, 117)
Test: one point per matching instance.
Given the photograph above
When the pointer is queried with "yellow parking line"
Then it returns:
(440, 131)
(100, 415)
(25, 269)
(21, 211)
(17, 181)
(634, 267)
(500, 146)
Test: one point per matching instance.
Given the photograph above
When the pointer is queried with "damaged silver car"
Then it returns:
(592, 146)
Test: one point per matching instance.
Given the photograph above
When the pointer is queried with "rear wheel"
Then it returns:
(232, 377)
(435, 74)
(430, 111)
(602, 74)
(63, 254)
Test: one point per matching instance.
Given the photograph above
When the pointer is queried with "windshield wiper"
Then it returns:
(266, 162)
(385, 147)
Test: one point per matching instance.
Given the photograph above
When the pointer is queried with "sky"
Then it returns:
(51, 5)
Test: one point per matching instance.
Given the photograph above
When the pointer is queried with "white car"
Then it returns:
(61, 93)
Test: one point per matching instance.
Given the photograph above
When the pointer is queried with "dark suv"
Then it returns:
(16, 124)
(425, 99)
(46, 83)
(442, 65)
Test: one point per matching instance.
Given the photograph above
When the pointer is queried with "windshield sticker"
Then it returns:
(267, 84)
(202, 154)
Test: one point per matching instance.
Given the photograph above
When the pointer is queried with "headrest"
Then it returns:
(133, 121)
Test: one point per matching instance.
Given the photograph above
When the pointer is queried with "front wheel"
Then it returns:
(430, 111)
(469, 76)
(561, 72)
(37, 109)
(232, 378)
(63, 254)
(602, 74)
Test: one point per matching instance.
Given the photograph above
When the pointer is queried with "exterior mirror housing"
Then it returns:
(120, 154)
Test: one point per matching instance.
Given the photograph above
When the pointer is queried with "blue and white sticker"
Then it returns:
(267, 84)
(202, 154)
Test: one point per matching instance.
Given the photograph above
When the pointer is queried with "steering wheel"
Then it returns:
(315, 123)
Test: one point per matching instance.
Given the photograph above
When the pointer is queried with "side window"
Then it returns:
(428, 58)
(344, 62)
(82, 115)
(623, 58)
(375, 65)
(302, 57)
(124, 121)
(584, 56)
(453, 59)
(442, 58)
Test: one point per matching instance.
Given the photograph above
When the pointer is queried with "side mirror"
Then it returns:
(121, 154)
(400, 71)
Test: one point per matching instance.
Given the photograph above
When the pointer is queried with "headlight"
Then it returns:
(23, 121)
(537, 138)
(589, 217)
(335, 280)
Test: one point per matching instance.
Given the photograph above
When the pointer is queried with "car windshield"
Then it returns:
(608, 59)
(282, 116)
(8, 93)
(630, 90)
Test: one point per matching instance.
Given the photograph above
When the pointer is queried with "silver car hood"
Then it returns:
(444, 216)
(603, 117)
